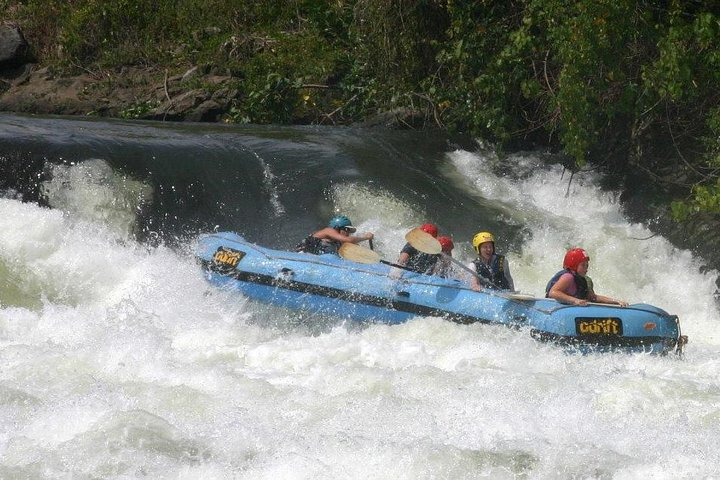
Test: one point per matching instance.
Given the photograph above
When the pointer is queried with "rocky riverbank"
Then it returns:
(27, 87)
(201, 93)
(141, 93)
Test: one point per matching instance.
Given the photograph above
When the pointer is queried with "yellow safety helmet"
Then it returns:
(480, 238)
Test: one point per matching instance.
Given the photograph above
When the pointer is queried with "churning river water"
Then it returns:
(119, 361)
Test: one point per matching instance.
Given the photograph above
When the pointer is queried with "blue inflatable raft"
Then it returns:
(329, 284)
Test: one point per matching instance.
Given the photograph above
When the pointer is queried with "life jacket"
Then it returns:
(317, 246)
(492, 275)
(418, 261)
(581, 284)
(443, 268)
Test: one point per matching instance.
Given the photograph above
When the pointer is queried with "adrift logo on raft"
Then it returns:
(226, 259)
(598, 326)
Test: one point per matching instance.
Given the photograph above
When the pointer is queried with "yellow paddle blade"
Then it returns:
(423, 241)
(356, 253)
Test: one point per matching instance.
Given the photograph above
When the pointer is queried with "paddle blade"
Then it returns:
(522, 297)
(423, 241)
(356, 253)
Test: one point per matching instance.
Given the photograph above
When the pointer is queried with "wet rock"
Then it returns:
(14, 49)
(192, 73)
(207, 111)
(42, 94)
(178, 108)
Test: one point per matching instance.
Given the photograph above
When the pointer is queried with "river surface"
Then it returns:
(119, 361)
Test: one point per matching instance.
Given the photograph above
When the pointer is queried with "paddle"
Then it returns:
(423, 241)
(358, 254)
(426, 243)
(531, 298)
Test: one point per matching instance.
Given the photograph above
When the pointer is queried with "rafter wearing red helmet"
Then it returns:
(429, 228)
(572, 285)
(416, 260)
(444, 267)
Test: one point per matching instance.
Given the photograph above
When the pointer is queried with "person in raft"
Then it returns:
(443, 267)
(493, 270)
(329, 239)
(414, 259)
(572, 285)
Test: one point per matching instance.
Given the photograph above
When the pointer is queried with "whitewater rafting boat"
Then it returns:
(329, 284)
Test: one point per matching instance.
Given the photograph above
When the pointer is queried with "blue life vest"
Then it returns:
(492, 275)
(582, 291)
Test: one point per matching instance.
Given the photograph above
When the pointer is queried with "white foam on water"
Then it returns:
(270, 182)
(627, 261)
(120, 361)
(93, 191)
(376, 210)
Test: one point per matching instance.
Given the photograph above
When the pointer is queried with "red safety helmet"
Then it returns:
(429, 228)
(446, 243)
(574, 257)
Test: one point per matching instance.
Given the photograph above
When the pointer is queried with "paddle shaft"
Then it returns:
(470, 270)
(397, 265)
(426, 243)
(510, 296)
(528, 298)
(356, 253)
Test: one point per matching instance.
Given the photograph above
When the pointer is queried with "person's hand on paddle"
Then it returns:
(610, 300)
(621, 303)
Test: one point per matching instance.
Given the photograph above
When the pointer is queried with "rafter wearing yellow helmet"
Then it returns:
(493, 270)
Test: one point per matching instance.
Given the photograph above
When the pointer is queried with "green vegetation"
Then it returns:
(627, 84)
(138, 110)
